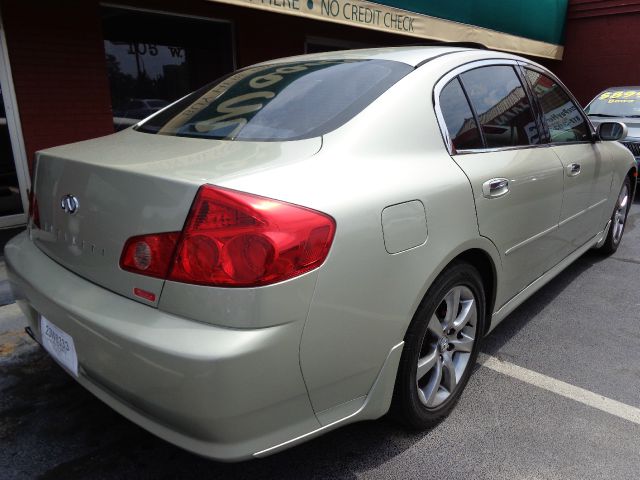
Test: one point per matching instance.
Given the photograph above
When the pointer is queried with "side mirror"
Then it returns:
(611, 131)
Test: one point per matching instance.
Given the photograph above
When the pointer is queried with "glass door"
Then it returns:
(10, 201)
(14, 179)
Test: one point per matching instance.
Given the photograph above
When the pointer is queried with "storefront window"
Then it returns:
(10, 200)
(154, 59)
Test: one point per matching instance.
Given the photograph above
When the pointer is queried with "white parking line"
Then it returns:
(619, 409)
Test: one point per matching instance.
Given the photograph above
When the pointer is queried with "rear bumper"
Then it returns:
(219, 392)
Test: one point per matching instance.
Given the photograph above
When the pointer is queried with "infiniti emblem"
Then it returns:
(70, 204)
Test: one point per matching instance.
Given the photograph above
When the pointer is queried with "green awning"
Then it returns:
(519, 26)
(535, 19)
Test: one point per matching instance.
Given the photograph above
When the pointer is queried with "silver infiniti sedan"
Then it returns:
(313, 241)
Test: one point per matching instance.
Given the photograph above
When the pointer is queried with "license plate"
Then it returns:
(59, 344)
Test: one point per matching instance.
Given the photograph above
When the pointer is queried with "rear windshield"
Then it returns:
(616, 102)
(279, 102)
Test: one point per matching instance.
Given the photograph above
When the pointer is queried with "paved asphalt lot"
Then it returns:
(583, 329)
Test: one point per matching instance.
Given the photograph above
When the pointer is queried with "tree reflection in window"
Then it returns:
(154, 59)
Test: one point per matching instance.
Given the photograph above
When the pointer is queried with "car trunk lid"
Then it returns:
(131, 184)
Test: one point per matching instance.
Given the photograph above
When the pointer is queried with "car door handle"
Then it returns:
(496, 187)
(573, 169)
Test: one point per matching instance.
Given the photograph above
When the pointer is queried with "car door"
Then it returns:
(587, 170)
(516, 179)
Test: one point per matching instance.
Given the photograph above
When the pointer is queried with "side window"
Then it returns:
(458, 118)
(562, 116)
(502, 106)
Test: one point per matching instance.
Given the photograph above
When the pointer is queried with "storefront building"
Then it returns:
(601, 47)
(77, 69)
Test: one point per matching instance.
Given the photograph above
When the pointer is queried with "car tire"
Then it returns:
(618, 219)
(441, 347)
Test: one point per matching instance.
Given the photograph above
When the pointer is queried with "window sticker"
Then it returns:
(621, 96)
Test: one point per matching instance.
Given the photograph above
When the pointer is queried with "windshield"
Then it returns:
(616, 102)
(279, 102)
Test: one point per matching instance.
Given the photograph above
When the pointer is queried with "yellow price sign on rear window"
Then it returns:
(613, 97)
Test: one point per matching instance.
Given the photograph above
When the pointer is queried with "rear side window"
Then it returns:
(462, 127)
(561, 115)
(279, 102)
(502, 106)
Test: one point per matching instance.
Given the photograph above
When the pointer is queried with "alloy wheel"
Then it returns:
(447, 346)
(620, 215)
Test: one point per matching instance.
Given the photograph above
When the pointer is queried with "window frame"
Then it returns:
(518, 66)
(592, 132)
(473, 114)
(538, 113)
(525, 89)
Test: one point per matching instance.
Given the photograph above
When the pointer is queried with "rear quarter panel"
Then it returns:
(364, 297)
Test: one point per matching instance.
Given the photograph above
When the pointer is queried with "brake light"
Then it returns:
(234, 239)
(149, 254)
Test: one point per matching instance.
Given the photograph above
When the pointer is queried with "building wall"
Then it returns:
(602, 46)
(261, 35)
(59, 72)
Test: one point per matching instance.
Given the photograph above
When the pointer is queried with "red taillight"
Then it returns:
(34, 212)
(235, 239)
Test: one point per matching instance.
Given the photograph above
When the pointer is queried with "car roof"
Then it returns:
(412, 55)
